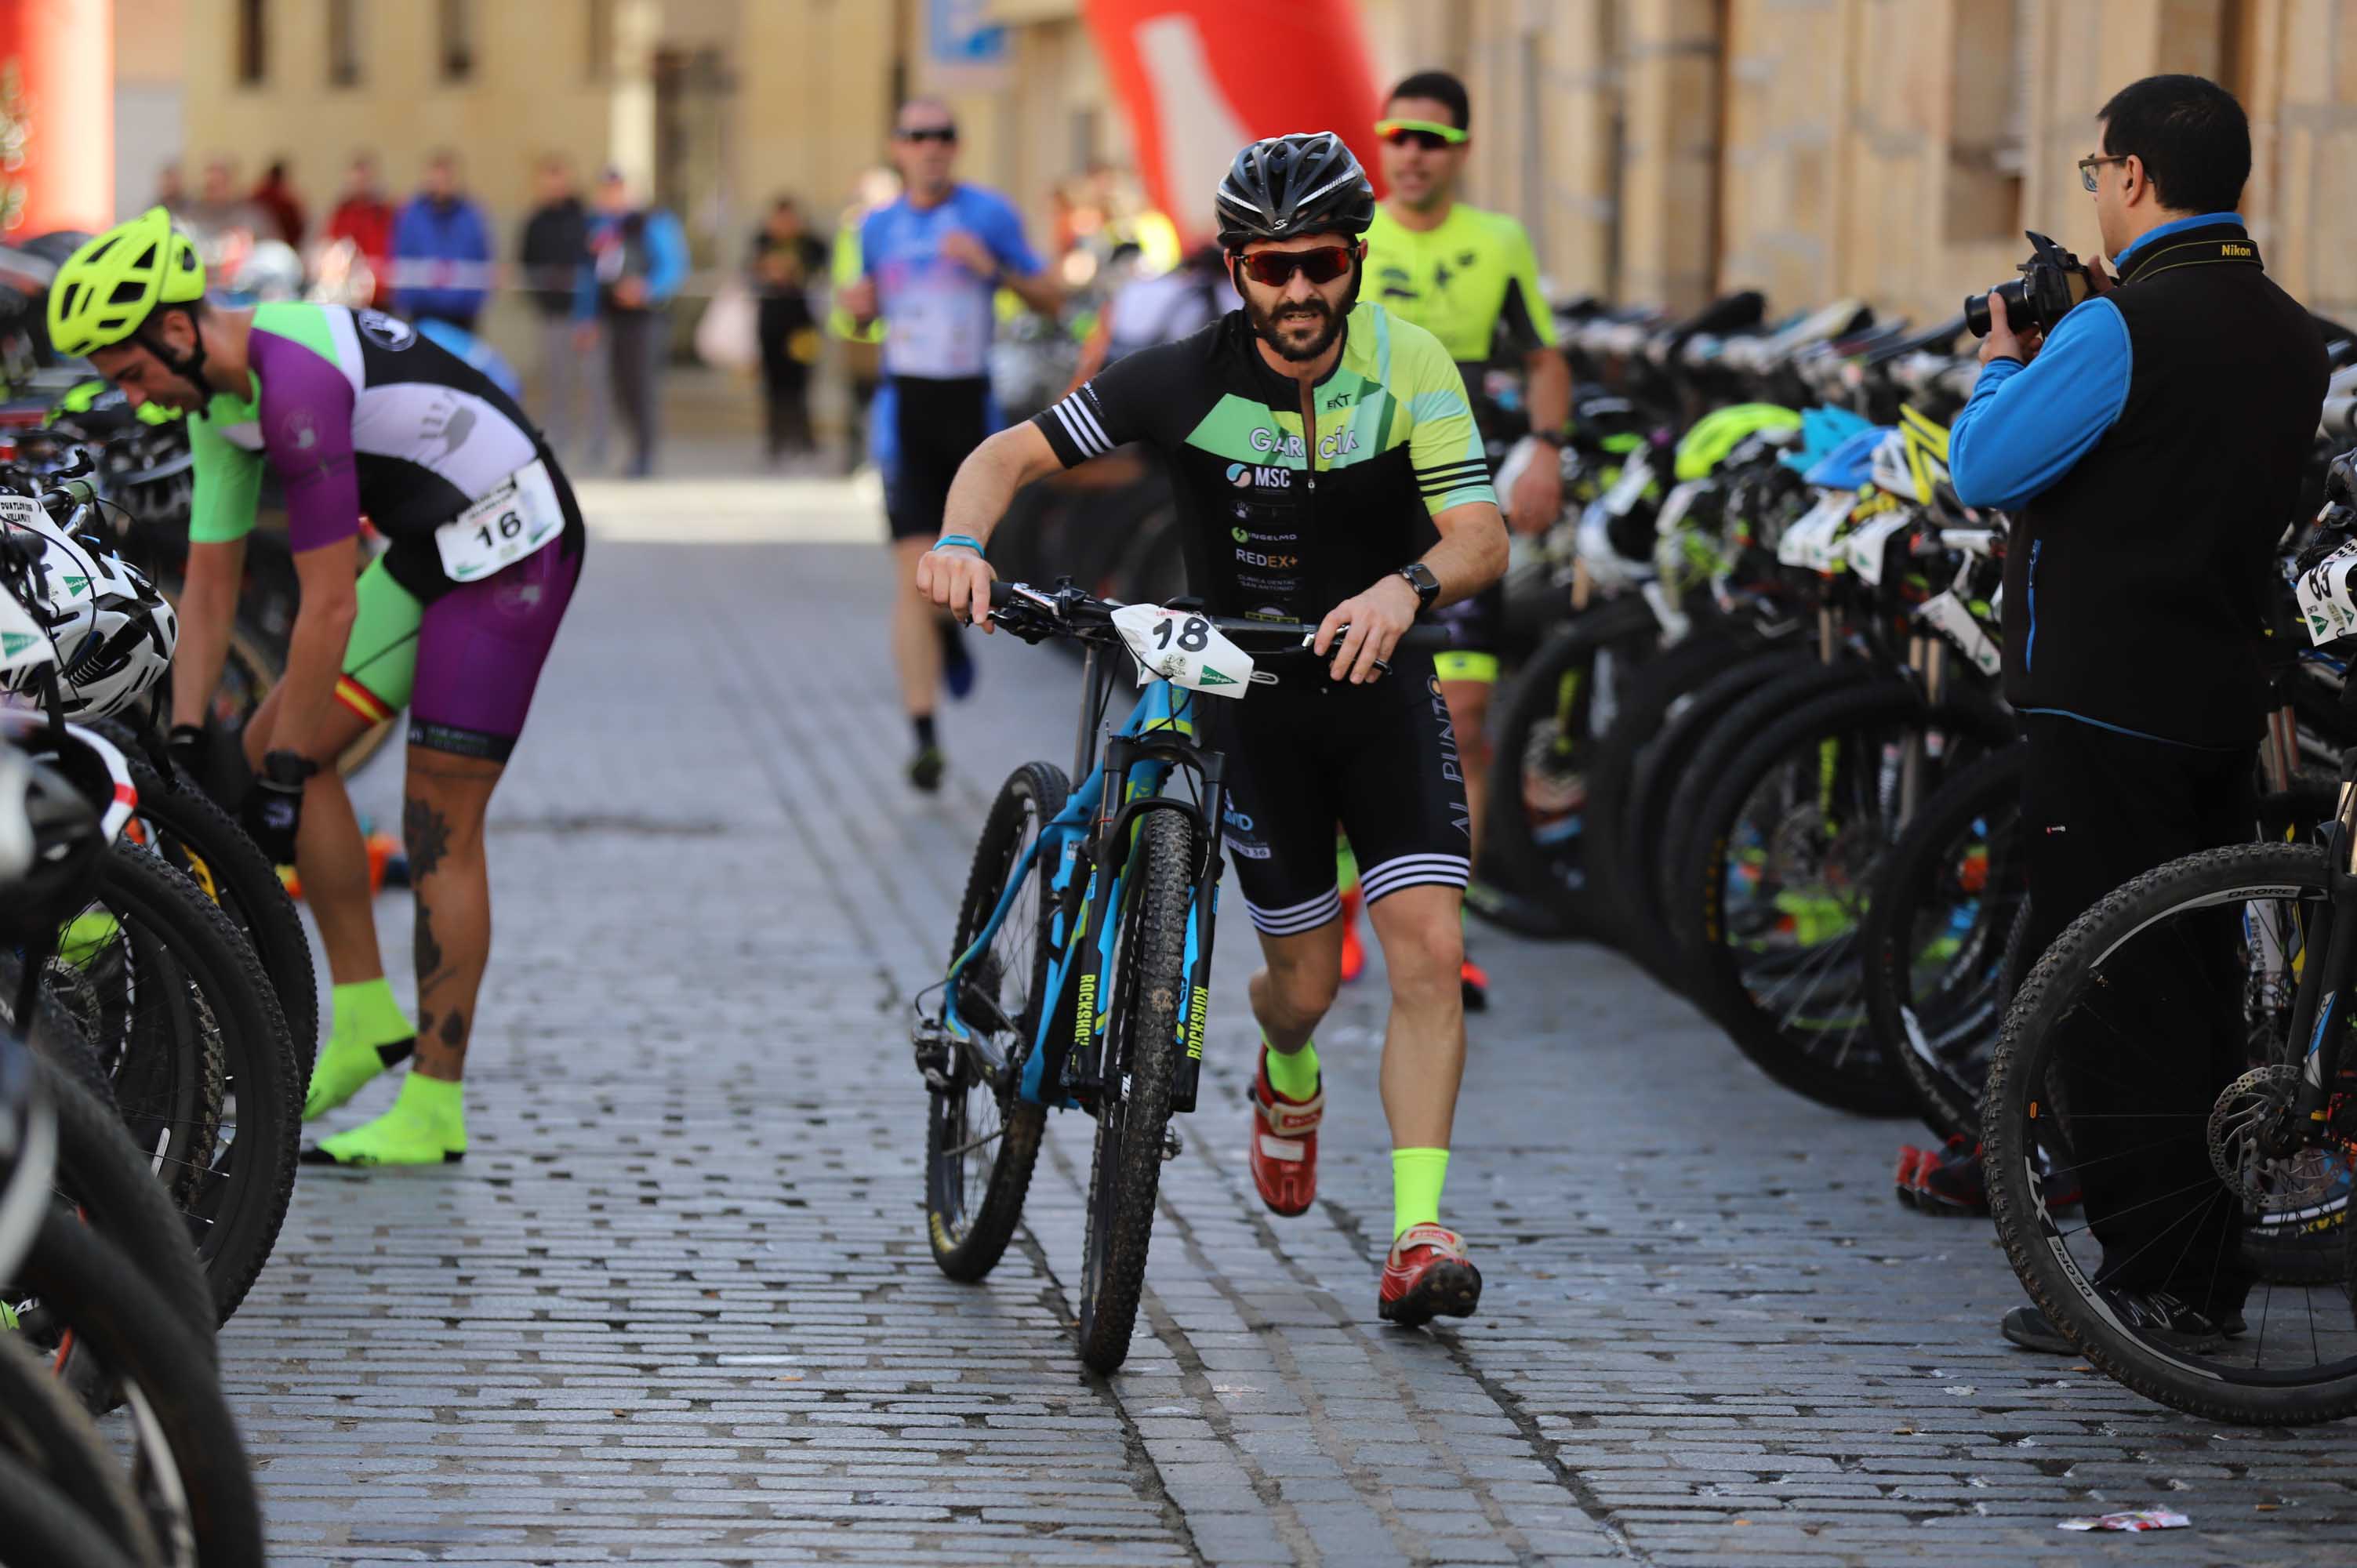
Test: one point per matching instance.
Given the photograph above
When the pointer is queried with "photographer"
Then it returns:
(2150, 455)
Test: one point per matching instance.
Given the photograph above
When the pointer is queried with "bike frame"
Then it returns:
(1083, 853)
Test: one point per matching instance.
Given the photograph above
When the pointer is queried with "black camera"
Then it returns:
(2053, 281)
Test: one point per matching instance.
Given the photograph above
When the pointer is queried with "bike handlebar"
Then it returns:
(1073, 613)
(2339, 418)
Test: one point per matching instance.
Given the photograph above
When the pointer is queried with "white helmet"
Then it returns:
(114, 633)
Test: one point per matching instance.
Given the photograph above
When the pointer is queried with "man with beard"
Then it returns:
(1325, 459)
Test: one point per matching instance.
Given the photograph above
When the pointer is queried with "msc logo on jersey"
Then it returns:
(384, 331)
(1247, 476)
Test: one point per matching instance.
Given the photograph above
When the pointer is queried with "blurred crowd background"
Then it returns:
(468, 161)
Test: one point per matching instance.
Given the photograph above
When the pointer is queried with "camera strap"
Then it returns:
(2232, 249)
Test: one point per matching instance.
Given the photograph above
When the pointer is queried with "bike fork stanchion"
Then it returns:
(1084, 747)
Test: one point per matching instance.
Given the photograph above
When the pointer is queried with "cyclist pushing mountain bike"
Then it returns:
(1328, 472)
(353, 412)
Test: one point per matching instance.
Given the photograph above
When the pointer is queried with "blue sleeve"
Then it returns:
(666, 256)
(2028, 425)
(1000, 227)
(868, 245)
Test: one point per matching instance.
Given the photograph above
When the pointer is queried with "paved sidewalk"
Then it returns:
(677, 1306)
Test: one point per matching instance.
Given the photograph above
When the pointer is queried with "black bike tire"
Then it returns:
(258, 901)
(1513, 860)
(2015, 1080)
(55, 1036)
(1713, 750)
(973, 1253)
(1126, 1174)
(40, 1527)
(1715, 981)
(142, 1340)
(259, 1059)
(1947, 1109)
(47, 1430)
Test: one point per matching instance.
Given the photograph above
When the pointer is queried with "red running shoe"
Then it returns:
(1476, 981)
(1952, 1181)
(1284, 1144)
(1354, 955)
(1907, 1172)
(1426, 1276)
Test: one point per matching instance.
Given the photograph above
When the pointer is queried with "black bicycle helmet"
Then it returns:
(1282, 187)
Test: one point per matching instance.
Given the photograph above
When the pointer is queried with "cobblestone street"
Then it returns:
(677, 1306)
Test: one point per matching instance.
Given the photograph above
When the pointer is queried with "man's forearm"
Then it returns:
(1467, 560)
(987, 482)
(1546, 379)
(315, 658)
(208, 610)
(1040, 291)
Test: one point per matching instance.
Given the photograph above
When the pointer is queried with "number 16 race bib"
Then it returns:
(503, 528)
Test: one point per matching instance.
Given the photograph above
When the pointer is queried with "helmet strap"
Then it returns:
(190, 367)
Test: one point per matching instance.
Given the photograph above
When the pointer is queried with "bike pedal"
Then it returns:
(931, 1042)
(1171, 1145)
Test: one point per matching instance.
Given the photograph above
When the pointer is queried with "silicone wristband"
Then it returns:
(959, 540)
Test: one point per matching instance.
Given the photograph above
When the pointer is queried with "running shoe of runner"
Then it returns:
(930, 265)
(1468, 277)
(353, 412)
(1326, 469)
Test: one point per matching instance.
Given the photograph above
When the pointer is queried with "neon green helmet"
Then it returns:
(110, 287)
(1702, 449)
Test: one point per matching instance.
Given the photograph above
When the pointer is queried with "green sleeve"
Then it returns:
(1443, 447)
(1526, 309)
(228, 486)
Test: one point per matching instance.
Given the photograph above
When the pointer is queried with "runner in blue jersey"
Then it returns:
(930, 265)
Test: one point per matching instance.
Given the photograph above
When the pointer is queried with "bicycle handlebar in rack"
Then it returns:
(1069, 612)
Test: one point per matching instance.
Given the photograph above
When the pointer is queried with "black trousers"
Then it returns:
(785, 381)
(2145, 1053)
(636, 341)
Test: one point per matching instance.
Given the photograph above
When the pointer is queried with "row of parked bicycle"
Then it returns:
(164, 1014)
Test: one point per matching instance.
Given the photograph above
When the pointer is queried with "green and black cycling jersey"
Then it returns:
(1283, 524)
(1470, 281)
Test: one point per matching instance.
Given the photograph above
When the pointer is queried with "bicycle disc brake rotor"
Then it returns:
(2268, 1182)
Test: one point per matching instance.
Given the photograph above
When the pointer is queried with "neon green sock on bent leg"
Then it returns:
(1294, 1076)
(1417, 1176)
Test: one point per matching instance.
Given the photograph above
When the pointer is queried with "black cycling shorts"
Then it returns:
(936, 424)
(1476, 628)
(1304, 755)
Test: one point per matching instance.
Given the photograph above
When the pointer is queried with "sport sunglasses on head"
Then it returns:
(1429, 135)
(1274, 269)
(929, 134)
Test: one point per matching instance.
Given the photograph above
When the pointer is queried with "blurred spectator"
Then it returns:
(787, 260)
(275, 195)
(219, 210)
(171, 192)
(1149, 308)
(441, 251)
(638, 259)
(475, 352)
(363, 219)
(555, 248)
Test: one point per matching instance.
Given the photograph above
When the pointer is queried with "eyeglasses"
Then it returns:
(945, 134)
(2088, 166)
(1274, 269)
(1429, 135)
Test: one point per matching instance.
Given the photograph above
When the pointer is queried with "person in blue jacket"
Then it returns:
(638, 259)
(441, 251)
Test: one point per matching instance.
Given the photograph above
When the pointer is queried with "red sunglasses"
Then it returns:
(1274, 269)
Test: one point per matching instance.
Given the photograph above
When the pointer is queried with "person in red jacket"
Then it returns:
(275, 195)
(365, 217)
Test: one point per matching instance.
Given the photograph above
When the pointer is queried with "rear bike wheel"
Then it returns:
(2209, 945)
(1133, 1108)
(42, 1524)
(45, 1429)
(982, 1137)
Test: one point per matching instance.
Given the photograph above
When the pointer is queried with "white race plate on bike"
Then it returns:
(1676, 504)
(1865, 545)
(23, 512)
(1808, 543)
(24, 646)
(1184, 649)
(1948, 615)
(505, 527)
(1636, 477)
(2325, 603)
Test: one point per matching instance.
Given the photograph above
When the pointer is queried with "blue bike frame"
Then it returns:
(1087, 845)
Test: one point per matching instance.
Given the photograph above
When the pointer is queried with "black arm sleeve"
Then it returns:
(1116, 406)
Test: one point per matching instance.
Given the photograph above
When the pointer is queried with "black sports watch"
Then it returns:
(289, 768)
(1427, 586)
(1551, 438)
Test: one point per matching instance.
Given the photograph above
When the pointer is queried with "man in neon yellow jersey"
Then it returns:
(1467, 276)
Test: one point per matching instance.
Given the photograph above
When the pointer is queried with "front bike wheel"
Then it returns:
(981, 1137)
(1133, 1106)
(2205, 951)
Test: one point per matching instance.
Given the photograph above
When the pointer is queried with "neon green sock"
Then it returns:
(1294, 1076)
(427, 1126)
(1417, 1176)
(365, 1014)
(440, 1101)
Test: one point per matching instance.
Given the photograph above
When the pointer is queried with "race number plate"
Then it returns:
(1948, 615)
(1808, 543)
(24, 646)
(2325, 602)
(1866, 545)
(1184, 649)
(505, 527)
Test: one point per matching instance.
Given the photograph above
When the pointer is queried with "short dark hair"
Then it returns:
(2191, 135)
(1441, 88)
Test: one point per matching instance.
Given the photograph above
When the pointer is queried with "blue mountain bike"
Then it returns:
(1082, 968)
